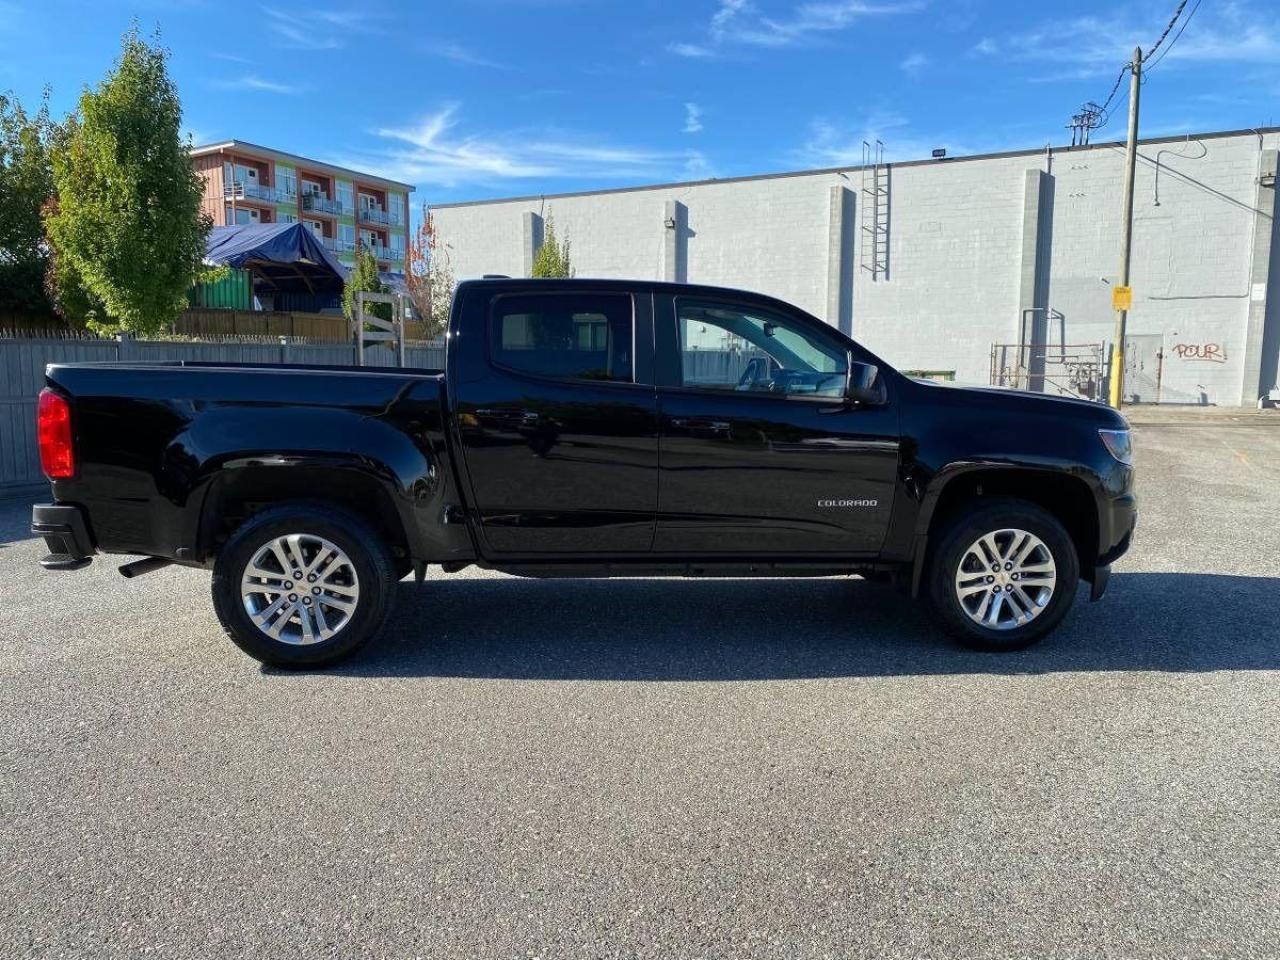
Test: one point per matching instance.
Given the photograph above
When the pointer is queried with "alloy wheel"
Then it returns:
(300, 589)
(1005, 579)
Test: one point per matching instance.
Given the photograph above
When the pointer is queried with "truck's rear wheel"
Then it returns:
(303, 585)
(1004, 575)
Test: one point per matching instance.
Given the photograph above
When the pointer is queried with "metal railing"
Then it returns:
(374, 215)
(319, 204)
(253, 191)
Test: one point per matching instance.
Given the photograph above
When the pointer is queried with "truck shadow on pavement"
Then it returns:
(658, 630)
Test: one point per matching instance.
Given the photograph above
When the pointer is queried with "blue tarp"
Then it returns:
(283, 256)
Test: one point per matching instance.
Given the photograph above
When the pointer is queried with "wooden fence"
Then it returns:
(197, 322)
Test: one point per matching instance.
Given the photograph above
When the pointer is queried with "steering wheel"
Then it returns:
(757, 373)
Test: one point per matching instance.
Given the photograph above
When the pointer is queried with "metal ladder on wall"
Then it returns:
(875, 211)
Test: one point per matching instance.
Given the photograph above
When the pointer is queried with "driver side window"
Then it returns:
(728, 347)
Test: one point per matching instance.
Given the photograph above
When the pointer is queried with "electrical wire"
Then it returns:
(1092, 117)
(1148, 69)
(1172, 20)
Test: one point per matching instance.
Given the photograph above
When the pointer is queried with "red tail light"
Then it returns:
(53, 428)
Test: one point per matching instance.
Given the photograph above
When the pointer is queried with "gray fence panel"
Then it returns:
(22, 364)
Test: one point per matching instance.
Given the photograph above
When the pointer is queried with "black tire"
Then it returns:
(965, 529)
(368, 556)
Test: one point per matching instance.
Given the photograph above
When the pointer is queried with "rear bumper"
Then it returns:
(65, 533)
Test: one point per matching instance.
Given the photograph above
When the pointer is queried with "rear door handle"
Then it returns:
(702, 425)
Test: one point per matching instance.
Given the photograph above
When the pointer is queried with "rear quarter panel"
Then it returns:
(153, 441)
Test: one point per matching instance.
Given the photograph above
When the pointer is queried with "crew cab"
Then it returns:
(584, 428)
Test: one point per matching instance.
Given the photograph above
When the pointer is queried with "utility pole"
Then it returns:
(1122, 295)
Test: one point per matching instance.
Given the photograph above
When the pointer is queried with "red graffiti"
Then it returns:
(1213, 352)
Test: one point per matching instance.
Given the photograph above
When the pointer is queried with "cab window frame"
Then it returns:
(493, 350)
(675, 368)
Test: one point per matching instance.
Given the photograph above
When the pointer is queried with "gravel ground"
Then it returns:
(662, 768)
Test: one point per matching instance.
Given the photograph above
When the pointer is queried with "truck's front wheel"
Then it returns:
(302, 585)
(1004, 574)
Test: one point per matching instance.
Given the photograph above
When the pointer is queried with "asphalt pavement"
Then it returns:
(663, 768)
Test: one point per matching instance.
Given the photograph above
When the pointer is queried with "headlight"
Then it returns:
(1119, 444)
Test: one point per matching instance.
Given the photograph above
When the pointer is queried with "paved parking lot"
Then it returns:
(661, 768)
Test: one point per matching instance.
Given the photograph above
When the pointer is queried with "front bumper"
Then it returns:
(65, 533)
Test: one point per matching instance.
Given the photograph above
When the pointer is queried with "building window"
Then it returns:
(345, 196)
(566, 336)
(288, 218)
(244, 215)
(288, 182)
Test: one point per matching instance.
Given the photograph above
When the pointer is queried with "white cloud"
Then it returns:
(692, 50)
(312, 29)
(838, 143)
(1098, 46)
(464, 55)
(914, 64)
(435, 151)
(743, 23)
(253, 82)
(692, 118)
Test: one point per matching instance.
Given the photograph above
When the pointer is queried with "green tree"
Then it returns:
(364, 277)
(552, 259)
(128, 220)
(26, 184)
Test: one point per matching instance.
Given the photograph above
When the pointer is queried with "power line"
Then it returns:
(1172, 20)
(1171, 42)
(1093, 116)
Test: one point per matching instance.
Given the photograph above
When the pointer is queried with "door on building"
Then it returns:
(1143, 367)
(759, 453)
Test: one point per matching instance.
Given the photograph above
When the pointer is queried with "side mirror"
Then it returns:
(865, 385)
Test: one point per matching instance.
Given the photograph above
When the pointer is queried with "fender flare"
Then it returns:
(959, 468)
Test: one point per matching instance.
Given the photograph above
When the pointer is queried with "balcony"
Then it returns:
(374, 215)
(252, 191)
(338, 245)
(317, 203)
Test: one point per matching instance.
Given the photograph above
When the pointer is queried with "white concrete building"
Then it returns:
(934, 263)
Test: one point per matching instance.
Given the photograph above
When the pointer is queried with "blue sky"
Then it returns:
(483, 98)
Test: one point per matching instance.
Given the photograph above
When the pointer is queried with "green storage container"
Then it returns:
(232, 292)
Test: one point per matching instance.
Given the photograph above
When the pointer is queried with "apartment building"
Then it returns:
(346, 209)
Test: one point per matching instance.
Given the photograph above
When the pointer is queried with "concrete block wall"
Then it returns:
(958, 252)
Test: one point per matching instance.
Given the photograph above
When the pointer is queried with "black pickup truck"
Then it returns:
(584, 428)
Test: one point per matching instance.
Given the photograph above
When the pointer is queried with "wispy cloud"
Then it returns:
(914, 64)
(1097, 46)
(312, 29)
(694, 51)
(464, 55)
(838, 143)
(741, 23)
(692, 118)
(259, 84)
(436, 151)
(229, 57)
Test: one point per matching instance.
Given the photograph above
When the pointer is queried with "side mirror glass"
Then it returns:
(865, 385)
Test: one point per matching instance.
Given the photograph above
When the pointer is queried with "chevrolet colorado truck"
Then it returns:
(584, 428)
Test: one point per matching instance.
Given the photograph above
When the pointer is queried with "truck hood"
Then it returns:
(1026, 399)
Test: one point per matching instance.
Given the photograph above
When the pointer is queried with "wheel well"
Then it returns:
(1067, 498)
(251, 490)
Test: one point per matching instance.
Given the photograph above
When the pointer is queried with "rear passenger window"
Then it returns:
(574, 336)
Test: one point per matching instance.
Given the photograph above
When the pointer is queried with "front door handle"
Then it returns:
(702, 426)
